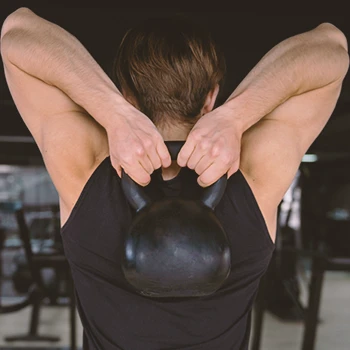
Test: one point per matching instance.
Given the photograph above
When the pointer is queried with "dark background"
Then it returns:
(244, 36)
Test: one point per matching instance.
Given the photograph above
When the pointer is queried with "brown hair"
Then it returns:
(169, 65)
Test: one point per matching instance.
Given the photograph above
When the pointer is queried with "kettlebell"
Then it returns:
(175, 247)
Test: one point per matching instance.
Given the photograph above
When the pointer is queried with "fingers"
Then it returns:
(147, 165)
(134, 169)
(186, 151)
(233, 169)
(118, 168)
(137, 147)
(203, 164)
(210, 158)
(212, 174)
(139, 175)
(207, 156)
(214, 171)
(149, 157)
(202, 156)
(197, 146)
(134, 162)
(155, 155)
(141, 163)
(163, 154)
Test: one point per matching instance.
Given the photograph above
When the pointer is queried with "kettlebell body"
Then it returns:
(175, 247)
(178, 246)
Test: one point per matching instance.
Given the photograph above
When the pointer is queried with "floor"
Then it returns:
(333, 332)
(334, 328)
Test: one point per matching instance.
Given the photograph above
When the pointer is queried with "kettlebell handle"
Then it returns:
(138, 199)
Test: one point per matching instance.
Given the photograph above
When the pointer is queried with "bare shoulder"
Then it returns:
(273, 148)
(73, 144)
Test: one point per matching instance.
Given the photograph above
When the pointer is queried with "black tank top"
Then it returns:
(115, 317)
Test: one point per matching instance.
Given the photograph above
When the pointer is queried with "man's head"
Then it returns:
(171, 70)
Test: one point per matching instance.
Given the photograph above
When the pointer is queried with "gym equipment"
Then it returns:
(37, 291)
(325, 231)
(175, 247)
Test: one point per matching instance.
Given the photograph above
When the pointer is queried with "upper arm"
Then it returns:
(69, 140)
(273, 148)
(35, 100)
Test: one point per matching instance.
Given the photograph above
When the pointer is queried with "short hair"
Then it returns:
(169, 65)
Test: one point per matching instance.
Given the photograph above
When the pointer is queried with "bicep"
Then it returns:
(273, 148)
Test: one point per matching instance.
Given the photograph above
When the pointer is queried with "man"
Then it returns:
(86, 129)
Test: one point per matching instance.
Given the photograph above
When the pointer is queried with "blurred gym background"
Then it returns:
(305, 296)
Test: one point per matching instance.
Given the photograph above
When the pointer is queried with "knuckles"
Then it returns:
(140, 150)
(148, 144)
(127, 159)
(215, 150)
(196, 134)
(204, 144)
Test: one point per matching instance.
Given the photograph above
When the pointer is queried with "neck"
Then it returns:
(171, 172)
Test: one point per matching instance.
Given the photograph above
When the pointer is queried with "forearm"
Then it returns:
(302, 63)
(48, 52)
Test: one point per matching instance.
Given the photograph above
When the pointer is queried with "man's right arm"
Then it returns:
(51, 75)
(47, 52)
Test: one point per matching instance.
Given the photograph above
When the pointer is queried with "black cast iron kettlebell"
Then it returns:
(175, 247)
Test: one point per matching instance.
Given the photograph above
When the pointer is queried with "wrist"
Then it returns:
(239, 109)
(109, 109)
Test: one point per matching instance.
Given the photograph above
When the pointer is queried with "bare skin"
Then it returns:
(264, 128)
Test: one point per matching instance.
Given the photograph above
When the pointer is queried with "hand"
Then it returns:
(213, 146)
(136, 146)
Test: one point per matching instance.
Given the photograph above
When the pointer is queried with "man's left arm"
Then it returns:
(282, 104)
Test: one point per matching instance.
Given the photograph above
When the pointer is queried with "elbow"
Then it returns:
(340, 45)
(14, 19)
(334, 33)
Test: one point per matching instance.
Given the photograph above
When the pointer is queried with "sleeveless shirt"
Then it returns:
(114, 316)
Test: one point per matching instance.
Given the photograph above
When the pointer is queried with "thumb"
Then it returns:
(118, 170)
(234, 168)
(186, 151)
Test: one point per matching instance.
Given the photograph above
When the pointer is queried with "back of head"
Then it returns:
(168, 66)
